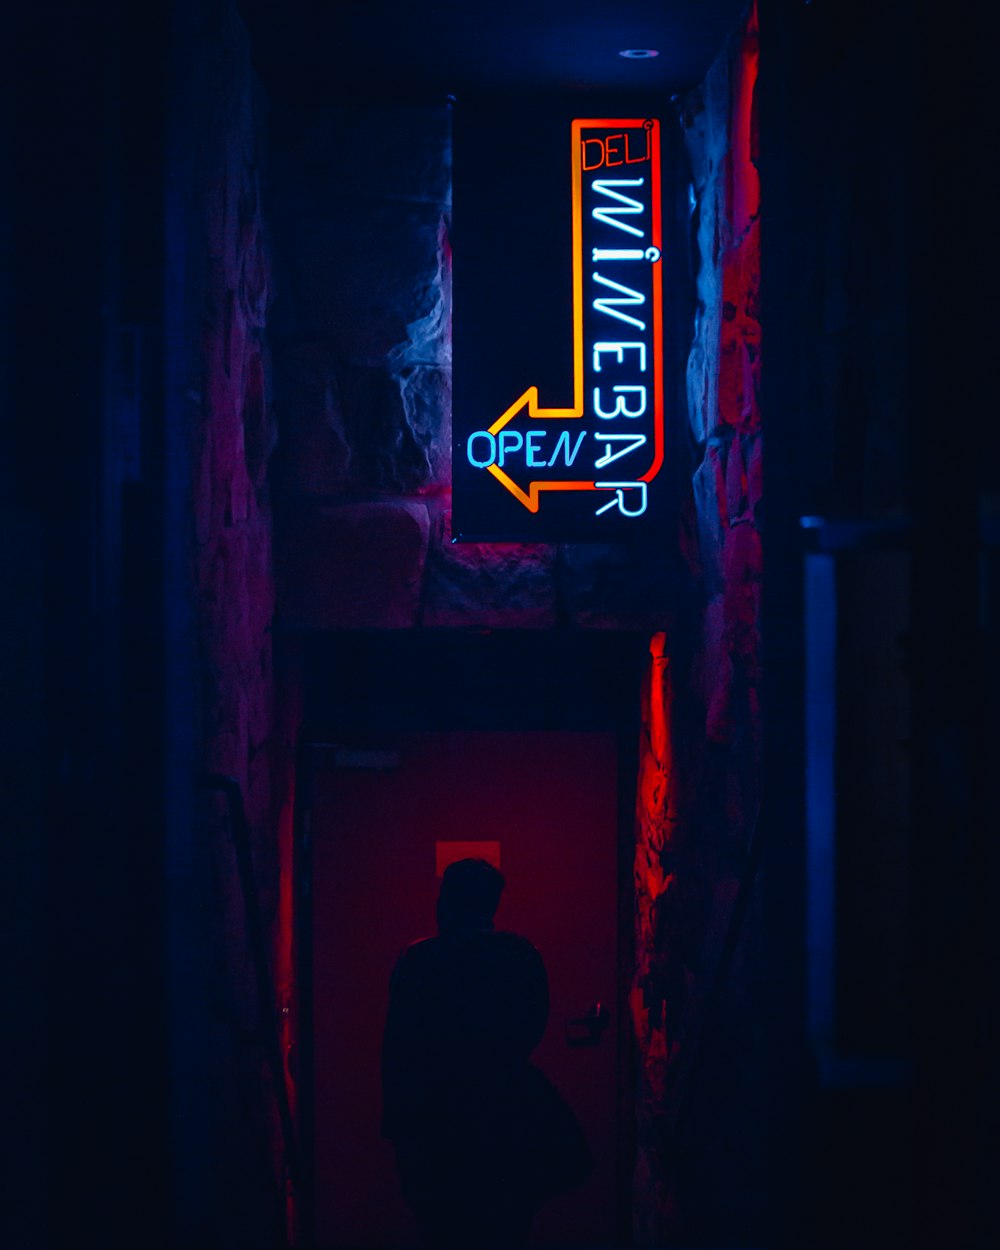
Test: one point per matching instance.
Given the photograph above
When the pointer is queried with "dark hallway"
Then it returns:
(556, 434)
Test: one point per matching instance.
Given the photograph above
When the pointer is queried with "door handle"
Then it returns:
(586, 1030)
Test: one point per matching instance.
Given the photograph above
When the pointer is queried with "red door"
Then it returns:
(549, 800)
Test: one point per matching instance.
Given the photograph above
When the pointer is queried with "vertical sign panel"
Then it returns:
(576, 457)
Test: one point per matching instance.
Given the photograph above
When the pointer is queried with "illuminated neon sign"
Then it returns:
(590, 461)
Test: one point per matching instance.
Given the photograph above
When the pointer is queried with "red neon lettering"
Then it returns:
(635, 160)
(613, 150)
(600, 161)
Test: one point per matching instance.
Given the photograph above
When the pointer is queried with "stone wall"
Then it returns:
(228, 1159)
(234, 434)
(700, 1115)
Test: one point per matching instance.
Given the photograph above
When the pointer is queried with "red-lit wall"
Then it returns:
(700, 1121)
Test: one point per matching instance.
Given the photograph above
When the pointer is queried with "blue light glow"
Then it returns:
(535, 459)
(618, 253)
(627, 443)
(482, 464)
(621, 409)
(510, 441)
(619, 500)
(619, 349)
(603, 302)
(629, 207)
(562, 445)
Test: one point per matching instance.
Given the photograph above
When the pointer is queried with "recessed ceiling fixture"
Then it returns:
(638, 54)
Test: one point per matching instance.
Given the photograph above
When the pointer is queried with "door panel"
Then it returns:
(550, 801)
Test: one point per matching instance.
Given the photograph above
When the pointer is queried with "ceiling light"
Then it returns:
(638, 54)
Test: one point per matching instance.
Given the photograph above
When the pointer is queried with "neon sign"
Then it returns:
(587, 464)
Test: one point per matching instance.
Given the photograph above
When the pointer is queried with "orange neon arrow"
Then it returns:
(529, 399)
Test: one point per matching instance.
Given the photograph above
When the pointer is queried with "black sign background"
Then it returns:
(512, 310)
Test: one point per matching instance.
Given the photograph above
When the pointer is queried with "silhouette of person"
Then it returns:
(466, 1009)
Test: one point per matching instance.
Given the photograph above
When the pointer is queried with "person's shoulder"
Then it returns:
(422, 948)
(515, 943)
(417, 955)
(510, 938)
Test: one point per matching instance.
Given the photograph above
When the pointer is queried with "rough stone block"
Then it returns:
(717, 674)
(702, 377)
(314, 453)
(614, 586)
(360, 207)
(737, 485)
(359, 280)
(388, 454)
(740, 340)
(259, 429)
(353, 566)
(709, 495)
(489, 585)
(360, 429)
(425, 391)
(743, 184)
(755, 472)
(742, 560)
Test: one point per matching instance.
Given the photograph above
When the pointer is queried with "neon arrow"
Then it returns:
(614, 305)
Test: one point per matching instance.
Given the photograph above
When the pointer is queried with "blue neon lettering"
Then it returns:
(608, 214)
(619, 349)
(628, 443)
(616, 253)
(481, 464)
(603, 302)
(620, 408)
(509, 441)
(619, 500)
(535, 459)
(562, 445)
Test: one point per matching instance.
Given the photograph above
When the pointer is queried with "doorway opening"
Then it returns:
(419, 749)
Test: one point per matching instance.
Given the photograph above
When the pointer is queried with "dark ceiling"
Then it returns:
(407, 51)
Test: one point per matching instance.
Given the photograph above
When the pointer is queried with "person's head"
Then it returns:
(470, 894)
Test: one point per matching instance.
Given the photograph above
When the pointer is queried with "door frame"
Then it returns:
(362, 688)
